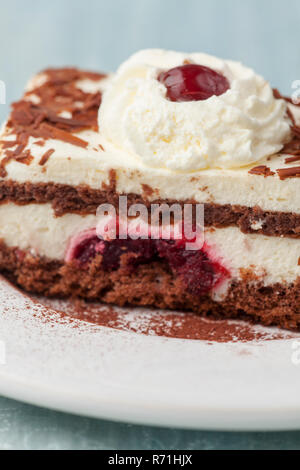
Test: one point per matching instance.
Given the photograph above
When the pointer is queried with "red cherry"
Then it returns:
(193, 82)
(199, 273)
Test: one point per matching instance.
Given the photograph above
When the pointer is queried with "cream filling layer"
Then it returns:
(75, 166)
(34, 227)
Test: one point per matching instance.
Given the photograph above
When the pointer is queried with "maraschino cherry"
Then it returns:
(192, 82)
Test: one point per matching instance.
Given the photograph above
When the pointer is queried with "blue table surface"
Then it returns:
(99, 34)
(25, 427)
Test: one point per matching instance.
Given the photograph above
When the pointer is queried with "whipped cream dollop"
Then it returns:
(240, 127)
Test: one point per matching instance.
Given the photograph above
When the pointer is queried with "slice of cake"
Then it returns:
(168, 131)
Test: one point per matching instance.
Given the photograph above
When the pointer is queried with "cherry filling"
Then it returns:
(137, 251)
(198, 271)
(87, 249)
(193, 82)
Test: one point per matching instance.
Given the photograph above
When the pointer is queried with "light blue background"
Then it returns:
(99, 34)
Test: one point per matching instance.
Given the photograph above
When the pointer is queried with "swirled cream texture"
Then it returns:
(240, 127)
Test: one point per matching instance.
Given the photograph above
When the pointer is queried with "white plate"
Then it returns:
(100, 372)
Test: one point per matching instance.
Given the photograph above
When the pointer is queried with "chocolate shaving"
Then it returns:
(292, 159)
(50, 132)
(6, 144)
(279, 96)
(4, 162)
(285, 173)
(57, 94)
(295, 130)
(46, 157)
(25, 158)
(293, 146)
(40, 143)
(19, 154)
(291, 116)
(262, 170)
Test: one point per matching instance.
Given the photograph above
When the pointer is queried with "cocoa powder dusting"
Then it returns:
(163, 323)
